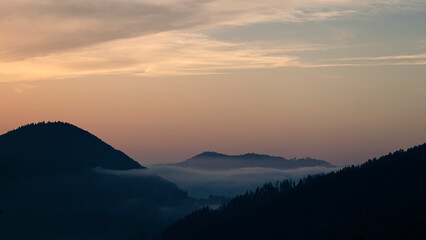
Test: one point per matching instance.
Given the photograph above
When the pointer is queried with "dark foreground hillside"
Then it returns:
(381, 199)
(58, 181)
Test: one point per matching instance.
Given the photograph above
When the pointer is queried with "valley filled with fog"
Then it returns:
(228, 183)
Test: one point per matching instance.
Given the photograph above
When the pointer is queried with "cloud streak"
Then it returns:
(401, 57)
(170, 53)
(44, 27)
(61, 39)
(401, 60)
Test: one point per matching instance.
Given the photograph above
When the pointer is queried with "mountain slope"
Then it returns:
(58, 181)
(382, 199)
(218, 161)
(57, 147)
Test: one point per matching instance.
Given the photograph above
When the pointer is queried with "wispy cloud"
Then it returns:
(401, 60)
(400, 57)
(56, 39)
(170, 53)
(175, 53)
(327, 65)
(37, 28)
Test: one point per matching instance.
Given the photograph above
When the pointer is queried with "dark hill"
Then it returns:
(57, 147)
(381, 199)
(219, 161)
(58, 181)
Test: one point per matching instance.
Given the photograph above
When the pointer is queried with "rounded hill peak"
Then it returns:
(58, 147)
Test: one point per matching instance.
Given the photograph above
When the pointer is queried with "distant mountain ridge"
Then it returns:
(220, 161)
(57, 147)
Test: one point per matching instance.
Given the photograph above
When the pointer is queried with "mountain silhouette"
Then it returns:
(383, 198)
(219, 161)
(57, 147)
(58, 181)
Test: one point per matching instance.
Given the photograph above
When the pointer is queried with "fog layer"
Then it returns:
(202, 183)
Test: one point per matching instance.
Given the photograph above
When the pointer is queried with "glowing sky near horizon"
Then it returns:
(338, 80)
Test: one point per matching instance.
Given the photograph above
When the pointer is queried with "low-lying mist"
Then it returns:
(229, 183)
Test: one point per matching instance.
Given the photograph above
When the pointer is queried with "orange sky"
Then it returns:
(337, 80)
(310, 113)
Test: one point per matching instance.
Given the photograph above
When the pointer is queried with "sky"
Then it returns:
(338, 80)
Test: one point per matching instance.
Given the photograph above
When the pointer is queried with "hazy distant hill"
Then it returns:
(381, 199)
(57, 146)
(58, 181)
(218, 161)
